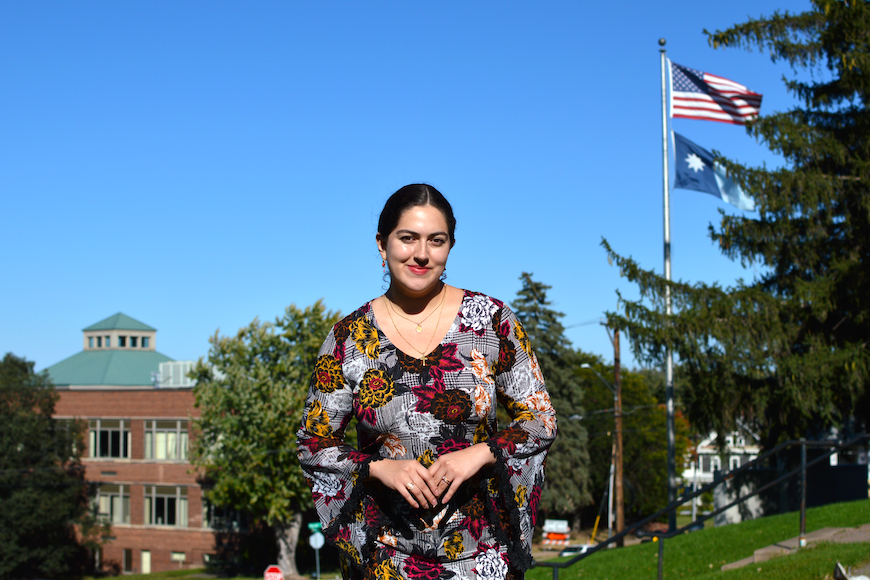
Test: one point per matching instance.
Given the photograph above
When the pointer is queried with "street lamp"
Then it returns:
(617, 445)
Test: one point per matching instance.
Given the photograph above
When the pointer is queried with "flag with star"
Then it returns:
(707, 97)
(696, 170)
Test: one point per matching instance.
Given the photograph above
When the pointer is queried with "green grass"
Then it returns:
(173, 575)
(701, 554)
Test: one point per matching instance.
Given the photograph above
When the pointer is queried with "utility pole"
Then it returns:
(617, 412)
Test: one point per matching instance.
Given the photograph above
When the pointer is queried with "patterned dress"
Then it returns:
(408, 408)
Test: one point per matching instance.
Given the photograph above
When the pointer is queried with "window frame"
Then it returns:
(116, 497)
(96, 429)
(180, 434)
(172, 499)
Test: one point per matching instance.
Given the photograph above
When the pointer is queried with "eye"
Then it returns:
(439, 241)
(407, 239)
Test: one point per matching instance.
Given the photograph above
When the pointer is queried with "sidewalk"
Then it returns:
(836, 535)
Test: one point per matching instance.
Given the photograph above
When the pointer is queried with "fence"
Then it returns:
(831, 446)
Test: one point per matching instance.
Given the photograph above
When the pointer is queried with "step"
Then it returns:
(786, 547)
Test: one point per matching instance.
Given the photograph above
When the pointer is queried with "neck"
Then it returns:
(414, 304)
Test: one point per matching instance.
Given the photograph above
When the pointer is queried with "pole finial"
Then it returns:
(662, 42)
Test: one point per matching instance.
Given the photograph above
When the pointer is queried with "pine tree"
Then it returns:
(567, 486)
(787, 350)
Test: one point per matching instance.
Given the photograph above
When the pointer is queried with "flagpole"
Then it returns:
(669, 364)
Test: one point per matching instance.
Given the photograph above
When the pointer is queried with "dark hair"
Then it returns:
(413, 195)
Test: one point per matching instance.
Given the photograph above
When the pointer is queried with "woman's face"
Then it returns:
(416, 251)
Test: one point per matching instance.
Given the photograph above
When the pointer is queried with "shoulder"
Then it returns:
(479, 302)
(480, 312)
(341, 330)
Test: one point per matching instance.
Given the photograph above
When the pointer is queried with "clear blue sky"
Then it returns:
(198, 164)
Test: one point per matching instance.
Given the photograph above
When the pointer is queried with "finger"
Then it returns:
(423, 494)
(451, 489)
(407, 492)
(429, 487)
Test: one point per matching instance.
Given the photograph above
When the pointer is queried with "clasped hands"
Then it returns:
(421, 486)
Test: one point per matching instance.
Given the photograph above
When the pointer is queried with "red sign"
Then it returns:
(273, 572)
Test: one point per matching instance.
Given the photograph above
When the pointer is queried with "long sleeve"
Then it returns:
(332, 467)
(521, 447)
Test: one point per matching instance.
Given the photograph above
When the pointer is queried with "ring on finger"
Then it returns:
(409, 486)
(445, 480)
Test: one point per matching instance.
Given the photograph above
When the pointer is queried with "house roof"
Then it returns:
(120, 368)
(119, 321)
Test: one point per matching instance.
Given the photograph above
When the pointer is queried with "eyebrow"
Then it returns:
(412, 232)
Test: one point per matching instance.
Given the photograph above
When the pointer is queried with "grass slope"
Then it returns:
(702, 553)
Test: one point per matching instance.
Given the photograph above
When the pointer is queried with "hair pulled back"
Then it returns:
(413, 195)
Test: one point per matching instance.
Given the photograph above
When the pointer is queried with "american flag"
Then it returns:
(699, 95)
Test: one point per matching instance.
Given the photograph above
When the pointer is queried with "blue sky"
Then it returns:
(199, 164)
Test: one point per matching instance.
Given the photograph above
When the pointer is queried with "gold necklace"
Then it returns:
(419, 325)
(431, 338)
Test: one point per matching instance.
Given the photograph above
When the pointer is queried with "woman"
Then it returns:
(435, 490)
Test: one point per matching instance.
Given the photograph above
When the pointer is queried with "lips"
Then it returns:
(419, 270)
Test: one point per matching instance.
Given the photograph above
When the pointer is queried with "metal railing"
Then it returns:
(833, 446)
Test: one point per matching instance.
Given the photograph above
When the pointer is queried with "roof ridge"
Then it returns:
(119, 321)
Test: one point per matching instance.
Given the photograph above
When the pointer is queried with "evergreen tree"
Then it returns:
(43, 495)
(567, 486)
(251, 394)
(789, 350)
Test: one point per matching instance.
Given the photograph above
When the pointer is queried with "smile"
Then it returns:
(419, 270)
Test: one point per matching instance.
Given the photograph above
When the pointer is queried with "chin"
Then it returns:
(417, 286)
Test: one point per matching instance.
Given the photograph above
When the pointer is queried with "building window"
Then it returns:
(110, 438)
(144, 342)
(90, 342)
(733, 462)
(223, 518)
(128, 560)
(133, 341)
(113, 504)
(166, 505)
(122, 341)
(108, 341)
(166, 440)
(99, 342)
(716, 463)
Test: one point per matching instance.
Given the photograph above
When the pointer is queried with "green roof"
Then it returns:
(119, 368)
(119, 321)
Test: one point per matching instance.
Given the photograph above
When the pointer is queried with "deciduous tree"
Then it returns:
(251, 392)
(644, 439)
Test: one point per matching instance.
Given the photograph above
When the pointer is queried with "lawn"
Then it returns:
(702, 553)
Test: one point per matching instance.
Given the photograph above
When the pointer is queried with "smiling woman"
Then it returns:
(436, 489)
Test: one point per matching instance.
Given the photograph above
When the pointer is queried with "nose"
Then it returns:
(421, 252)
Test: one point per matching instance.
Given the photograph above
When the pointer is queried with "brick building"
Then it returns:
(137, 402)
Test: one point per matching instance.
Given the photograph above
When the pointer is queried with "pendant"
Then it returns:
(419, 328)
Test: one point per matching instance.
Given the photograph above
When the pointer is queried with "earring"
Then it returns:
(384, 265)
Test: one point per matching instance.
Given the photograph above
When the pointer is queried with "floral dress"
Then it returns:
(411, 408)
